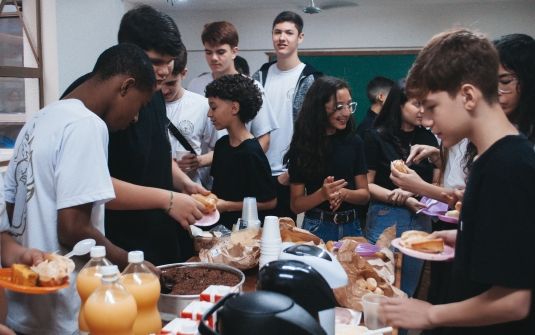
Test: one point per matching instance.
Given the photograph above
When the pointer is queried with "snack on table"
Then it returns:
(54, 270)
(417, 240)
(456, 212)
(209, 201)
(21, 274)
(399, 165)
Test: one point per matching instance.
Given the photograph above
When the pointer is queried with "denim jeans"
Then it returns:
(380, 217)
(330, 231)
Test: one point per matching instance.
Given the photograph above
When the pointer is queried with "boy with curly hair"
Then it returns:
(239, 167)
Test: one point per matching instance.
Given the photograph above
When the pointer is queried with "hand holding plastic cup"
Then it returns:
(180, 154)
(370, 303)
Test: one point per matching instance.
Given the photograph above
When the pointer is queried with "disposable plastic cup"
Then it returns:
(249, 210)
(270, 248)
(270, 252)
(271, 230)
(268, 241)
(371, 302)
(180, 154)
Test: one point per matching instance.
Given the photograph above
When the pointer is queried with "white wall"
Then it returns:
(84, 29)
(387, 27)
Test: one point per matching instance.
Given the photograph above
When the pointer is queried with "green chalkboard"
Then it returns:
(358, 70)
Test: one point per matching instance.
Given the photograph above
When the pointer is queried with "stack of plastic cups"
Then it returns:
(271, 241)
(249, 213)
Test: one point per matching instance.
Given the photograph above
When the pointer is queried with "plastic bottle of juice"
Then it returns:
(88, 280)
(111, 309)
(144, 285)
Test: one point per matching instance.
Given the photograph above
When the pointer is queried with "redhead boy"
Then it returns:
(494, 266)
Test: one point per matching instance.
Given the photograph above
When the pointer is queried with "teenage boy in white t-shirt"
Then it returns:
(220, 41)
(187, 111)
(57, 182)
(286, 81)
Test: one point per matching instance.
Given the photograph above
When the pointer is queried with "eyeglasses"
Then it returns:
(352, 107)
(506, 84)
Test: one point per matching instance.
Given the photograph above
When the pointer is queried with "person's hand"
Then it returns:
(188, 163)
(186, 210)
(284, 178)
(6, 331)
(398, 197)
(340, 197)
(222, 206)
(449, 236)
(33, 257)
(451, 200)
(414, 205)
(330, 188)
(405, 313)
(190, 187)
(154, 269)
(408, 182)
(419, 152)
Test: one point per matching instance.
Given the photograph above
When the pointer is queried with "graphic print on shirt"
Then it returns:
(290, 94)
(24, 189)
(186, 127)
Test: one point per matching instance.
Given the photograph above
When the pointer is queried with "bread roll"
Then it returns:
(209, 201)
(399, 165)
(329, 245)
(21, 274)
(417, 240)
(371, 284)
(378, 290)
(362, 283)
(54, 270)
(458, 206)
(453, 214)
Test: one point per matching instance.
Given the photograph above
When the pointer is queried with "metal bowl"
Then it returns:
(174, 303)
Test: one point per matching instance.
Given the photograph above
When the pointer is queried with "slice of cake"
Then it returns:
(21, 274)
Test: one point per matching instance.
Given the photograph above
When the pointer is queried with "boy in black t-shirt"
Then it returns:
(493, 277)
(239, 167)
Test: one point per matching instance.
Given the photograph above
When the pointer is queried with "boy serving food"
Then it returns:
(491, 291)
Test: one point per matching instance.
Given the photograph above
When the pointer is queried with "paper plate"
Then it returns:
(5, 281)
(449, 252)
(435, 209)
(363, 249)
(448, 219)
(208, 219)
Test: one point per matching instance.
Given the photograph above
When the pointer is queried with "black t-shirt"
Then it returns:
(345, 161)
(497, 230)
(240, 172)
(366, 123)
(379, 154)
(141, 155)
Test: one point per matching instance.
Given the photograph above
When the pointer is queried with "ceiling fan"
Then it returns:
(312, 9)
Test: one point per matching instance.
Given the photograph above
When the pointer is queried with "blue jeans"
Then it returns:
(330, 231)
(381, 216)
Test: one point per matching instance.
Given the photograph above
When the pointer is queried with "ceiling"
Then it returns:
(198, 5)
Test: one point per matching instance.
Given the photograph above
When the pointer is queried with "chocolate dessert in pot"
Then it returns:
(194, 280)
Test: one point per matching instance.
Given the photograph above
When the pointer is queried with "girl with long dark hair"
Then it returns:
(326, 162)
(396, 129)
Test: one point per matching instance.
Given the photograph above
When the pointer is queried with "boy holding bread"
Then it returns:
(240, 167)
(494, 267)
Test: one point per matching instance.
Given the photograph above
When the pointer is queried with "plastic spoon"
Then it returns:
(378, 331)
(81, 248)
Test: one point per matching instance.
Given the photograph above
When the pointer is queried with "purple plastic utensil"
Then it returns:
(363, 249)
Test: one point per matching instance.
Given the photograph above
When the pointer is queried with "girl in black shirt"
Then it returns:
(396, 129)
(326, 158)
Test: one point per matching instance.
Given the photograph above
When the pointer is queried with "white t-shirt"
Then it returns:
(189, 115)
(264, 122)
(280, 87)
(59, 161)
(454, 176)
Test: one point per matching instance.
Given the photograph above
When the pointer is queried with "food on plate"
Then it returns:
(21, 274)
(456, 212)
(54, 270)
(400, 166)
(419, 241)
(209, 201)
(371, 283)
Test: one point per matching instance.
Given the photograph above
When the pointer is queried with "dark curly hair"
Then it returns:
(388, 122)
(239, 88)
(310, 137)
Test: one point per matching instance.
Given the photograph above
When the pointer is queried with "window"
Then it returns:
(20, 66)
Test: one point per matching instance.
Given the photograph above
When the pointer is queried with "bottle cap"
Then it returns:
(98, 251)
(135, 257)
(109, 270)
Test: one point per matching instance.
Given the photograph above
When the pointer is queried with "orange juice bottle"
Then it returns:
(111, 309)
(88, 280)
(144, 285)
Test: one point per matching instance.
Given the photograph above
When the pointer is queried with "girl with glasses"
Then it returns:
(326, 162)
